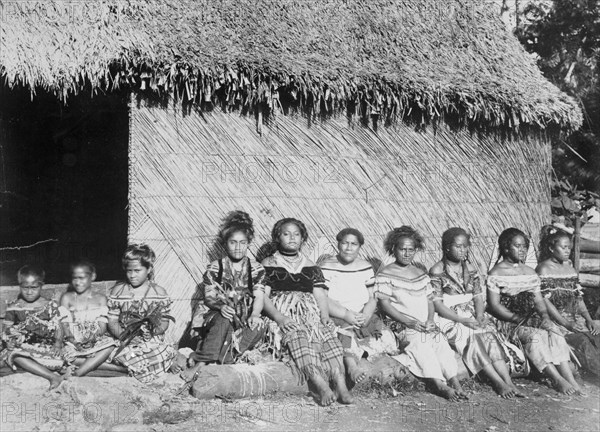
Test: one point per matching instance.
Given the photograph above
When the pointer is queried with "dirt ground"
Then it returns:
(123, 404)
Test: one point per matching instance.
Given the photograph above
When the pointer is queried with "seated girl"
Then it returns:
(514, 298)
(84, 318)
(460, 307)
(138, 314)
(564, 297)
(31, 334)
(406, 297)
(301, 325)
(234, 292)
(352, 304)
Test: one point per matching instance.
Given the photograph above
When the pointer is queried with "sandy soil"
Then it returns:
(123, 404)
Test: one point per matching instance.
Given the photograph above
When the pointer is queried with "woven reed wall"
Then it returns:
(186, 172)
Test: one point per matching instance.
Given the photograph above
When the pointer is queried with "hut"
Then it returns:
(341, 113)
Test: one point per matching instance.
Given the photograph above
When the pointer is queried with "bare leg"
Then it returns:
(355, 372)
(35, 368)
(500, 386)
(455, 384)
(326, 396)
(502, 370)
(339, 384)
(561, 384)
(92, 363)
(567, 373)
(443, 390)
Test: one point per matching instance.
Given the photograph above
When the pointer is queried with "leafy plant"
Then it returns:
(570, 201)
(135, 323)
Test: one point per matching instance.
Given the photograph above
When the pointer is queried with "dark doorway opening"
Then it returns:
(63, 182)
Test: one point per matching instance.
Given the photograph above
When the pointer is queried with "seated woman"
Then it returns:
(514, 298)
(460, 307)
(142, 349)
(300, 314)
(406, 297)
(564, 297)
(31, 334)
(352, 304)
(234, 292)
(84, 319)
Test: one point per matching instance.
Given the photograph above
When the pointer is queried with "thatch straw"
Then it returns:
(380, 60)
(189, 171)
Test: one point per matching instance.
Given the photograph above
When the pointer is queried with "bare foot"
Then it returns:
(517, 392)
(455, 384)
(504, 390)
(55, 381)
(189, 374)
(326, 396)
(356, 373)
(447, 392)
(343, 394)
(564, 387)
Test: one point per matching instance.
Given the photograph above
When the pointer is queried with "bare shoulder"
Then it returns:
(362, 263)
(528, 270)
(67, 298)
(99, 298)
(543, 268)
(497, 270)
(437, 268)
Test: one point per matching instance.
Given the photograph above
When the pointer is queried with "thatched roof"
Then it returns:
(392, 58)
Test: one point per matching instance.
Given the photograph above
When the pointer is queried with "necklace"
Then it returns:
(291, 262)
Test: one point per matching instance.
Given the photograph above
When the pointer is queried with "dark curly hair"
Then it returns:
(394, 236)
(450, 234)
(139, 252)
(235, 221)
(506, 238)
(549, 237)
(350, 231)
(276, 231)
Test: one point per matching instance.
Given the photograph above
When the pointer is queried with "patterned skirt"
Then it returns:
(146, 360)
(542, 347)
(314, 348)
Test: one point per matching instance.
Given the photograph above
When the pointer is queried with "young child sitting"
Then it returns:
(138, 313)
(31, 334)
(84, 319)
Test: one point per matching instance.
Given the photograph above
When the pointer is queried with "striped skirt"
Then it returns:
(313, 347)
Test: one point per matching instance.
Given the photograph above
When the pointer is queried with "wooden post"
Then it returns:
(577, 243)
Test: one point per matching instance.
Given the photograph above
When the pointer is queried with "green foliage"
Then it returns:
(565, 34)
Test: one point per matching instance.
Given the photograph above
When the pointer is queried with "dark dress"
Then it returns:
(313, 347)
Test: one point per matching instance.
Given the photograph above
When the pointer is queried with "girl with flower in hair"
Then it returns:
(515, 299)
(564, 297)
(138, 315)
